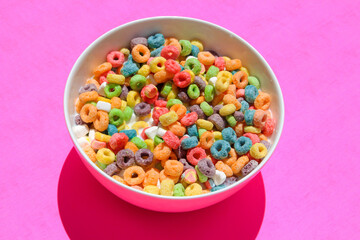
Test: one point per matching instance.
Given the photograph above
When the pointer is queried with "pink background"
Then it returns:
(311, 184)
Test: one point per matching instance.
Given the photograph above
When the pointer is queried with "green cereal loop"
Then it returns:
(166, 89)
(128, 111)
(207, 109)
(202, 177)
(137, 82)
(158, 140)
(201, 131)
(112, 90)
(209, 93)
(172, 102)
(194, 65)
(212, 72)
(92, 102)
(254, 81)
(231, 120)
(193, 91)
(138, 142)
(179, 190)
(116, 117)
(100, 165)
(185, 47)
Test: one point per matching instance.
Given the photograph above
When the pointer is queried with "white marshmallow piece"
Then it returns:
(151, 132)
(219, 177)
(80, 130)
(161, 132)
(105, 106)
(101, 90)
(91, 135)
(212, 81)
(83, 142)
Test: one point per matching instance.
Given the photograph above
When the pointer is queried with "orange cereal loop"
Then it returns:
(217, 99)
(171, 157)
(131, 146)
(151, 177)
(162, 151)
(115, 102)
(230, 160)
(88, 96)
(231, 99)
(90, 153)
(233, 64)
(221, 166)
(239, 164)
(262, 137)
(161, 76)
(173, 168)
(260, 117)
(205, 191)
(78, 105)
(134, 175)
(179, 109)
(262, 101)
(140, 53)
(119, 179)
(101, 122)
(239, 129)
(88, 113)
(207, 139)
(174, 42)
(206, 58)
(102, 68)
(240, 79)
(177, 128)
(93, 81)
(137, 187)
(197, 101)
(164, 176)
(231, 90)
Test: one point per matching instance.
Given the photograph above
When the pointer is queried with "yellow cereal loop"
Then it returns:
(122, 126)
(227, 110)
(139, 124)
(223, 81)
(119, 179)
(245, 70)
(102, 137)
(226, 58)
(198, 44)
(105, 156)
(123, 105)
(201, 123)
(193, 189)
(252, 129)
(217, 135)
(152, 189)
(168, 118)
(157, 64)
(103, 99)
(125, 51)
(133, 98)
(166, 187)
(258, 151)
(150, 144)
(191, 74)
(144, 70)
(116, 78)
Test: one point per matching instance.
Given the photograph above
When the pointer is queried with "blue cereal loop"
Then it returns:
(251, 93)
(244, 106)
(156, 52)
(129, 69)
(242, 145)
(228, 134)
(193, 131)
(189, 142)
(249, 117)
(194, 51)
(131, 133)
(216, 188)
(112, 129)
(220, 149)
(156, 40)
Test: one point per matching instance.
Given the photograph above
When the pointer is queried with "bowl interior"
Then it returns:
(212, 36)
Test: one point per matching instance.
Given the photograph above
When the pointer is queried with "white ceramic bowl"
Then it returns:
(213, 37)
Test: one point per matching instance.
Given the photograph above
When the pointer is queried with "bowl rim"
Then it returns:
(280, 121)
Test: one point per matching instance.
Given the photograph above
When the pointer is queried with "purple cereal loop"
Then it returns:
(144, 157)
(183, 97)
(138, 40)
(239, 116)
(112, 169)
(198, 110)
(266, 143)
(230, 180)
(217, 108)
(142, 109)
(200, 83)
(180, 152)
(206, 167)
(125, 158)
(124, 93)
(78, 120)
(249, 167)
(218, 121)
(88, 88)
(186, 164)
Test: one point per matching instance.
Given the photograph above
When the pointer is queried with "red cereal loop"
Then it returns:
(150, 91)
(118, 141)
(116, 58)
(220, 63)
(171, 140)
(189, 119)
(254, 138)
(170, 52)
(269, 127)
(172, 66)
(182, 79)
(195, 155)
(158, 111)
(160, 103)
(143, 135)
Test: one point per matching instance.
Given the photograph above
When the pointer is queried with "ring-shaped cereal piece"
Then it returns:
(157, 64)
(233, 64)
(151, 177)
(140, 53)
(182, 79)
(231, 99)
(162, 152)
(133, 98)
(102, 68)
(179, 109)
(105, 156)
(173, 168)
(178, 129)
(170, 52)
(262, 101)
(88, 96)
(173, 42)
(116, 58)
(207, 139)
(258, 151)
(240, 79)
(101, 122)
(239, 164)
(88, 113)
(260, 117)
(206, 58)
(134, 175)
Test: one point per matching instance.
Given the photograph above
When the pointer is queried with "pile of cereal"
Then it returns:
(169, 118)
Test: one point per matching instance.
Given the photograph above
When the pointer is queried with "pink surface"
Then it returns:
(311, 182)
